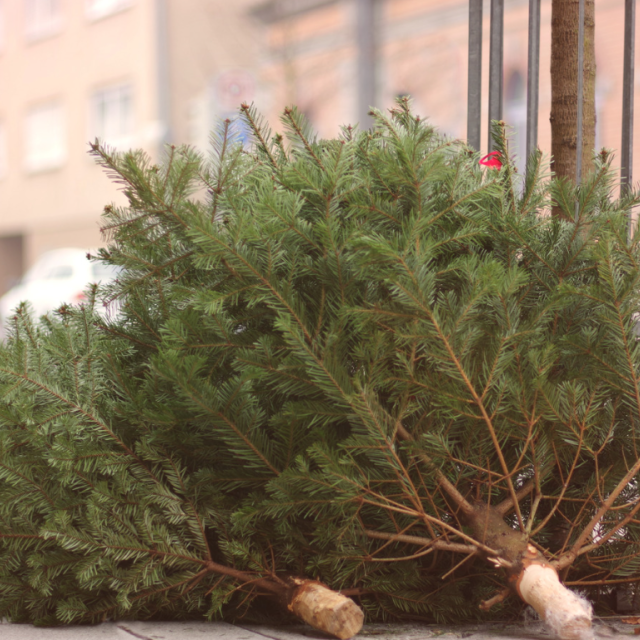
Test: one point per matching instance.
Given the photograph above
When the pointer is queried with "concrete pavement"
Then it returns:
(604, 630)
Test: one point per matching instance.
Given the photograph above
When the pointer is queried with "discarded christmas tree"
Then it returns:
(354, 361)
(99, 519)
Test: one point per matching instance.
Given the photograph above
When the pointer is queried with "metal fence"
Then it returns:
(496, 39)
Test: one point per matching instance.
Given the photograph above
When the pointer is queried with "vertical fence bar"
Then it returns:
(474, 90)
(366, 40)
(533, 77)
(580, 93)
(495, 64)
(627, 96)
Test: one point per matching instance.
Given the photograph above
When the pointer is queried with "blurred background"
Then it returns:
(144, 73)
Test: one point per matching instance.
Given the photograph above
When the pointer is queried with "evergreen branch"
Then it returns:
(423, 542)
(577, 547)
(107, 161)
(288, 114)
(405, 477)
(565, 486)
(194, 578)
(371, 208)
(34, 484)
(443, 481)
(461, 200)
(425, 516)
(97, 544)
(275, 212)
(587, 531)
(458, 365)
(196, 399)
(506, 505)
(266, 283)
(120, 334)
(477, 399)
(77, 408)
(413, 556)
(244, 577)
(196, 515)
(246, 110)
(607, 536)
(217, 190)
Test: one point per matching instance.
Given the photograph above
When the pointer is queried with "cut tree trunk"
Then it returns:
(568, 615)
(325, 609)
(564, 88)
(529, 573)
(310, 600)
(531, 576)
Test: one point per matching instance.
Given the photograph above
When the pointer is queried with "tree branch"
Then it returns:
(461, 502)
(424, 542)
(507, 504)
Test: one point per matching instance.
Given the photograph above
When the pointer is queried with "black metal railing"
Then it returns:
(496, 39)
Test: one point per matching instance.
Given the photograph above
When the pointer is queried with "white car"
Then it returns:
(59, 276)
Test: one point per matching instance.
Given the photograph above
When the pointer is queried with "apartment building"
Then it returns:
(135, 73)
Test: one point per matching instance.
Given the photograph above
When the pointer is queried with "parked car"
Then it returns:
(59, 276)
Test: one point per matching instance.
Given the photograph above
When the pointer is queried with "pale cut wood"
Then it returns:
(326, 610)
(568, 615)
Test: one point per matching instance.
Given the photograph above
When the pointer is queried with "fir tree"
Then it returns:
(365, 360)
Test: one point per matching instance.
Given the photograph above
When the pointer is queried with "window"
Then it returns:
(45, 138)
(112, 115)
(97, 9)
(43, 18)
(4, 165)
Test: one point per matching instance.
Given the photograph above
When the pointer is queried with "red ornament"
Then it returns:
(492, 160)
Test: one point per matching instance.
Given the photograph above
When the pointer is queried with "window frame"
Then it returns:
(4, 151)
(115, 93)
(38, 28)
(99, 9)
(53, 155)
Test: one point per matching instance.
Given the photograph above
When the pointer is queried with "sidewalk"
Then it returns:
(604, 630)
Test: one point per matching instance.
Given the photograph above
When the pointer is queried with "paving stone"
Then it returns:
(186, 631)
(130, 631)
(107, 631)
(604, 629)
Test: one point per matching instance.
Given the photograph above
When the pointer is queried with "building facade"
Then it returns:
(134, 73)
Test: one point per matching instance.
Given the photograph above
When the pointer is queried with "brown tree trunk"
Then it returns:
(531, 576)
(564, 88)
(529, 573)
(310, 600)
(326, 610)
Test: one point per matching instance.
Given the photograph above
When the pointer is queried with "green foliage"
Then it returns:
(301, 355)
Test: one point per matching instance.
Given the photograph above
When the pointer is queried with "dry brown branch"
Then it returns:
(418, 540)
(507, 504)
(460, 501)
(502, 595)
(575, 550)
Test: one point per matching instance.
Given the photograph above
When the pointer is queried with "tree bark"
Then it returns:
(528, 572)
(326, 610)
(567, 614)
(564, 88)
(310, 600)
(532, 577)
